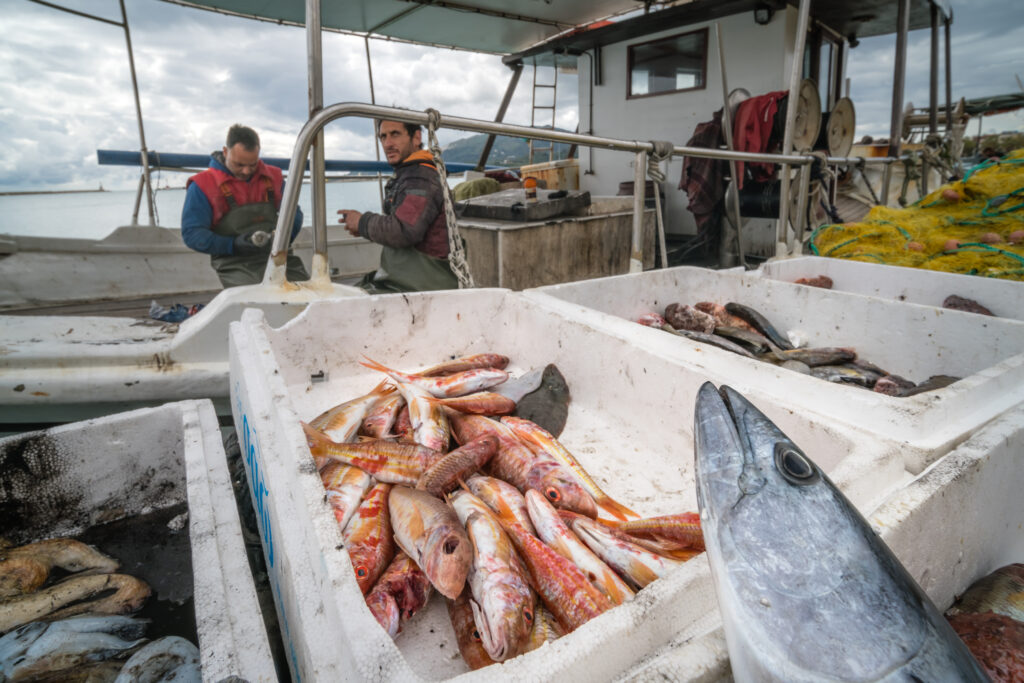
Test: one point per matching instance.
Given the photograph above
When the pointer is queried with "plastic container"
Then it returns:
(630, 425)
(1005, 298)
(909, 340)
(67, 479)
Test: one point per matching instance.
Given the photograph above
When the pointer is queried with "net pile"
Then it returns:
(973, 226)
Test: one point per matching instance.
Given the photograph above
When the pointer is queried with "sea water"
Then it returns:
(94, 215)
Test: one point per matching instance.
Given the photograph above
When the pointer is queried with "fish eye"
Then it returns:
(794, 466)
(476, 636)
(553, 494)
(528, 613)
(361, 572)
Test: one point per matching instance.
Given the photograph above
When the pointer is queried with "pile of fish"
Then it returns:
(953, 301)
(744, 331)
(437, 486)
(989, 617)
(75, 628)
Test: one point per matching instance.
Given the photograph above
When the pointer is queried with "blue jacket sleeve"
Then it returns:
(196, 217)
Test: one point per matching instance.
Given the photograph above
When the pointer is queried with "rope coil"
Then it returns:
(456, 247)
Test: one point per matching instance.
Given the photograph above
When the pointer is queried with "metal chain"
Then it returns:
(456, 248)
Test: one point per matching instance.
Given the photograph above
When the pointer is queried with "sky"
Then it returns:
(65, 85)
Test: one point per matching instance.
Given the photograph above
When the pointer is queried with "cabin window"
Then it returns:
(668, 65)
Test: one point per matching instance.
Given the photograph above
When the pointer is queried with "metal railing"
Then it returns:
(314, 125)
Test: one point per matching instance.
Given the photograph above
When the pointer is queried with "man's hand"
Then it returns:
(350, 219)
(244, 246)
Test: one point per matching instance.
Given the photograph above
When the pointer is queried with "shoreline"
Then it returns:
(23, 192)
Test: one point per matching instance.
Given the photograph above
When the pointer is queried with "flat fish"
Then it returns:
(1002, 592)
(931, 384)
(516, 388)
(548, 405)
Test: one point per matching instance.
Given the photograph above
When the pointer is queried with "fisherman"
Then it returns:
(231, 210)
(413, 229)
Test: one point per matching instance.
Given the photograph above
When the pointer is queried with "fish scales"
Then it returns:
(389, 462)
(443, 475)
(444, 386)
(494, 361)
(554, 532)
(368, 538)
(517, 464)
(400, 592)
(503, 498)
(633, 562)
(563, 586)
(806, 589)
(345, 486)
(502, 600)
(429, 532)
(342, 422)
(543, 443)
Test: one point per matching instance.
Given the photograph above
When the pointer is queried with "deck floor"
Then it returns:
(117, 308)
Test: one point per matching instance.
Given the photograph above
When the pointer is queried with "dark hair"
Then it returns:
(410, 128)
(244, 135)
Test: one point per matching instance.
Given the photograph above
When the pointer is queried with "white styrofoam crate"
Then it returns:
(630, 425)
(955, 523)
(1005, 298)
(910, 340)
(64, 480)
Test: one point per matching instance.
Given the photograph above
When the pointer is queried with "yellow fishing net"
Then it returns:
(985, 219)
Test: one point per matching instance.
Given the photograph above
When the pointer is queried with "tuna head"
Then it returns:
(447, 556)
(561, 489)
(504, 621)
(806, 589)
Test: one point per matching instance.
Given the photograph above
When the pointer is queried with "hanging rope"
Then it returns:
(456, 247)
(662, 150)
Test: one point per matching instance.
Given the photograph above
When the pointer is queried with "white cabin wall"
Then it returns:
(755, 59)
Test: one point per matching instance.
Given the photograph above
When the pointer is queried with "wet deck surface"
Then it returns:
(118, 308)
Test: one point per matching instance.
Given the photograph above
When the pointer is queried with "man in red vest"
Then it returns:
(412, 230)
(230, 212)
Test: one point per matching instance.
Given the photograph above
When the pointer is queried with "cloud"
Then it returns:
(65, 86)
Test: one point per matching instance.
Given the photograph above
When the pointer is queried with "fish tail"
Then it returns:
(368, 362)
(616, 509)
(318, 442)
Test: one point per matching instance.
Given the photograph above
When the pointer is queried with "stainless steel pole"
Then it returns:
(373, 100)
(727, 126)
(900, 70)
(783, 241)
(138, 116)
(636, 257)
(317, 178)
(517, 71)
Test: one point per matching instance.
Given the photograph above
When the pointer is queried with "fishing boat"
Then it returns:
(287, 363)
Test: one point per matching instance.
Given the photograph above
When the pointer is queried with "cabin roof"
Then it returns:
(860, 18)
(493, 26)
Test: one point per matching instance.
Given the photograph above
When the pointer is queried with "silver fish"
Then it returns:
(42, 648)
(807, 590)
(171, 658)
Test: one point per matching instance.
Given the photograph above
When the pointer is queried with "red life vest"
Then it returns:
(224, 191)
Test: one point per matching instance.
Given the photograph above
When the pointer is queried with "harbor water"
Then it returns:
(93, 215)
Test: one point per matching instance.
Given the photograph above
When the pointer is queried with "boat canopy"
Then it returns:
(493, 26)
(856, 19)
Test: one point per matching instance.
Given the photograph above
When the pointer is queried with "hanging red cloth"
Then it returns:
(752, 131)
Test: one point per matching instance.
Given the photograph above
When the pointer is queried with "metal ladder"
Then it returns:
(548, 147)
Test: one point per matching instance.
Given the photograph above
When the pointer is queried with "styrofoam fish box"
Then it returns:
(67, 479)
(630, 425)
(1005, 298)
(909, 340)
(955, 523)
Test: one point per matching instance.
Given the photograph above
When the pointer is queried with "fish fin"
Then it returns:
(374, 365)
(616, 509)
(317, 441)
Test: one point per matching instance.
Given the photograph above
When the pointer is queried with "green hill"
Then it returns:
(507, 151)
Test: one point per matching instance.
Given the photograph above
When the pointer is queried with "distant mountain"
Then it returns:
(507, 151)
